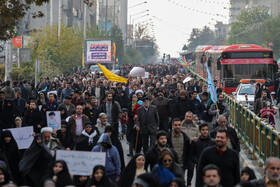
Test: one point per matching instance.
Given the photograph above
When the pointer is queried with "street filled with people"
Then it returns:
(174, 131)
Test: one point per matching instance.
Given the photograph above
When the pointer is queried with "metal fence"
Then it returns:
(261, 139)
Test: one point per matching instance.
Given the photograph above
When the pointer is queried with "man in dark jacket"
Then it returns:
(234, 141)
(152, 155)
(204, 141)
(164, 110)
(33, 117)
(180, 142)
(113, 110)
(183, 105)
(272, 174)
(223, 157)
(51, 104)
(196, 103)
(19, 103)
(147, 123)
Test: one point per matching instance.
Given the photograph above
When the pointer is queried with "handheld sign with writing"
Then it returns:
(23, 136)
(54, 119)
(81, 162)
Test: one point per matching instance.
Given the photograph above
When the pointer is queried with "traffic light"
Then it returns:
(164, 55)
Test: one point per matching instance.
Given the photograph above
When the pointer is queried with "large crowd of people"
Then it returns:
(172, 129)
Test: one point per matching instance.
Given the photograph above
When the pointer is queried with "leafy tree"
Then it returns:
(271, 32)
(145, 43)
(11, 11)
(249, 27)
(200, 37)
(132, 56)
(57, 54)
(117, 37)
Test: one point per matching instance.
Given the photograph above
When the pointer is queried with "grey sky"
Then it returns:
(173, 20)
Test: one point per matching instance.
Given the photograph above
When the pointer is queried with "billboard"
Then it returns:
(98, 51)
(17, 42)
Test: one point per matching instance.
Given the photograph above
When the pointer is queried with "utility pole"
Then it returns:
(18, 58)
(106, 15)
(59, 16)
(114, 13)
(51, 13)
(85, 20)
(9, 60)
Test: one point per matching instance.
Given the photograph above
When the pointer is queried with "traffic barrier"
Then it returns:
(260, 138)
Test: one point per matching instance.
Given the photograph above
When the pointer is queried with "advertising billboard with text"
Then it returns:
(98, 51)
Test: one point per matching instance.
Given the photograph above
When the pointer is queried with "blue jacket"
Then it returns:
(113, 163)
(65, 93)
(52, 106)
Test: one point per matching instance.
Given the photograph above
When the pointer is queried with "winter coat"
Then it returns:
(112, 163)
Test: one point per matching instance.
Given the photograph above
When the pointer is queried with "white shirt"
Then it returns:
(79, 125)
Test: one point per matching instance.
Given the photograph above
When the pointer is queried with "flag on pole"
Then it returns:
(211, 85)
(111, 76)
(83, 60)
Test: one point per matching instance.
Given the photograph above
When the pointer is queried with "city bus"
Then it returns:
(230, 64)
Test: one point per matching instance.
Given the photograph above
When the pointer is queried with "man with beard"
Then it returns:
(152, 155)
(261, 103)
(102, 123)
(272, 174)
(224, 158)
(113, 111)
(32, 117)
(191, 129)
(91, 112)
(222, 109)
(139, 94)
(164, 111)
(147, 123)
(77, 122)
(180, 142)
(233, 139)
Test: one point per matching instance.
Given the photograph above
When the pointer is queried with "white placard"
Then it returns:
(54, 119)
(81, 162)
(23, 136)
(146, 75)
(53, 92)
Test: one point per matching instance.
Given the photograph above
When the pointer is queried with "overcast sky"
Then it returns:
(173, 20)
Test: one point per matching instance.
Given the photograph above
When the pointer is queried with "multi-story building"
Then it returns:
(72, 13)
(236, 6)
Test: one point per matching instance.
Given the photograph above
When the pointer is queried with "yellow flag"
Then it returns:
(111, 76)
(83, 60)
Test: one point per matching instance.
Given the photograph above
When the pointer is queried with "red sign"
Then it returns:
(270, 44)
(17, 42)
(248, 61)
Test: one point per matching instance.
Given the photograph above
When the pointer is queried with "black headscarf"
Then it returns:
(8, 114)
(83, 143)
(104, 182)
(65, 138)
(250, 172)
(63, 177)
(34, 163)
(12, 153)
(6, 174)
(180, 182)
(128, 175)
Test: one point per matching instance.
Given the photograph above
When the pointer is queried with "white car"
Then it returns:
(242, 90)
